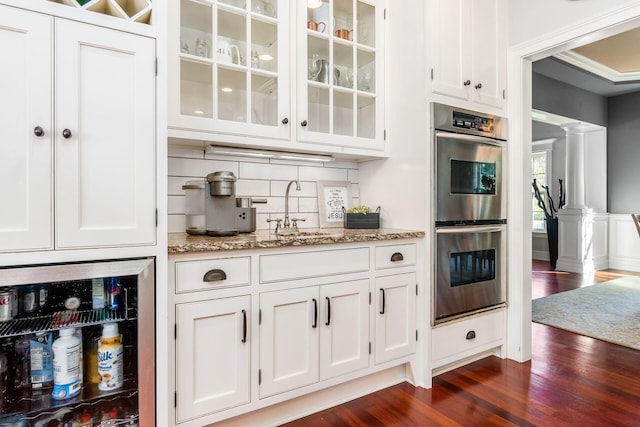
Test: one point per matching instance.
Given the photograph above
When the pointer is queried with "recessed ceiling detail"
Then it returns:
(615, 58)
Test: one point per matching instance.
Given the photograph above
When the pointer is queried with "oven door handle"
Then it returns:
(471, 229)
(469, 138)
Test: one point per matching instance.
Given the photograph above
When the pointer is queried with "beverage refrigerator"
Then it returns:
(77, 345)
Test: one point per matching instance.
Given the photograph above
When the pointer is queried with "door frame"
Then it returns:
(519, 105)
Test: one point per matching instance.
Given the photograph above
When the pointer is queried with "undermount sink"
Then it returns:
(305, 234)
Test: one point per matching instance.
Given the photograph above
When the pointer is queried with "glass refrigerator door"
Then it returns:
(75, 344)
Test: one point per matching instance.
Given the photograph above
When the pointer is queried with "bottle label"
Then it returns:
(64, 391)
(110, 366)
(66, 370)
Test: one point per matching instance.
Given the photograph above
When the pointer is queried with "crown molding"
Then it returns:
(597, 68)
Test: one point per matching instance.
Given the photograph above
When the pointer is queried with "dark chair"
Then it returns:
(636, 221)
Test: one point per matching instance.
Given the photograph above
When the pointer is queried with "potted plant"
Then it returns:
(550, 217)
(361, 217)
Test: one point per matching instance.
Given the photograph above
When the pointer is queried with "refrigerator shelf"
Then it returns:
(62, 320)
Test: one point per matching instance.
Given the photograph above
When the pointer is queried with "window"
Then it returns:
(540, 162)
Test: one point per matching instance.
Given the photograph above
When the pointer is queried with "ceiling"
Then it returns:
(608, 67)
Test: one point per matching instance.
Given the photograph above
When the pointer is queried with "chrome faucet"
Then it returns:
(286, 223)
(287, 227)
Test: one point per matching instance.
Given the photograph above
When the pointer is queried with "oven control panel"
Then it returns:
(473, 122)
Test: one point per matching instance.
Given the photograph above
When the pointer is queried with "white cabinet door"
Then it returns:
(395, 334)
(344, 328)
(489, 51)
(229, 67)
(105, 137)
(212, 356)
(468, 49)
(289, 339)
(340, 74)
(450, 55)
(26, 168)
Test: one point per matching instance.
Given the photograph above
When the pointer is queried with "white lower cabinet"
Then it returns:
(311, 334)
(258, 327)
(457, 340)
(212, 356)
(395, 316)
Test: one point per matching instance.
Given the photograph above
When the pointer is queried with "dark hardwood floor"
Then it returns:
(571, 381)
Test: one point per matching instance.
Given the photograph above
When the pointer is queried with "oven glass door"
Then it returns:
(468, 178)
(470, 270)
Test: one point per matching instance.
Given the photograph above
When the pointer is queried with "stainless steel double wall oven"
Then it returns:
(470, 212)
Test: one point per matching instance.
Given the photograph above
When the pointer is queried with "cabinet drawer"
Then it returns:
(303, 265)
(212, 273)
(464, 338)
(395, 256)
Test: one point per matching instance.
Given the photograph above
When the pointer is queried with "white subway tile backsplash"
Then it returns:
(199, 168)
(176, 223)
(308, 204)
(307, 189)
(185, 152)
(342, 164)
(353, 176)
(267, 171)
(258, 179)
(176, 204)
(252, 188)
(322, 174)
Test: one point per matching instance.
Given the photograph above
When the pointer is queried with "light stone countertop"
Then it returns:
(180, 243)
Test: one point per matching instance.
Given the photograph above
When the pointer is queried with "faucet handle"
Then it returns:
(277, 221)
(295, 222)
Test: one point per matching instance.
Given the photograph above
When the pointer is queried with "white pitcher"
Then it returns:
(226, 53)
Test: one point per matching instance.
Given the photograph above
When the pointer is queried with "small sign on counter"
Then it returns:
(333, 199)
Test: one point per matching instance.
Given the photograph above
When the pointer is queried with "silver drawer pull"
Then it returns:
(471, 335)
(397, 257)
(214, 275)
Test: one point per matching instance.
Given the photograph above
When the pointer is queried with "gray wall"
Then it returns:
(619, 114)
(565, 100)
(623, 154)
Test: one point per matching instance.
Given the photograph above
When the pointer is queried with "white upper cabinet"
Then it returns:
(277, 74)
(77, 163)
(229, 67)
(105, 169)
(26, 136)
(468, 50)
(340, 74)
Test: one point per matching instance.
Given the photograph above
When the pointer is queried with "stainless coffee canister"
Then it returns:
(195, 222)
(222, 183)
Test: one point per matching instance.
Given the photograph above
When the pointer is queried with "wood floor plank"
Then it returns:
(571, 381)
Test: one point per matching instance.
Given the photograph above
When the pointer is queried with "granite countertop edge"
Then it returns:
(181, 243)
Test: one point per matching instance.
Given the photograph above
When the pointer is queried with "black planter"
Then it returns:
(552, 238)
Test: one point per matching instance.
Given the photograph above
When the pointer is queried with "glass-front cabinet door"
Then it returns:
(340, 73)
(232, 75)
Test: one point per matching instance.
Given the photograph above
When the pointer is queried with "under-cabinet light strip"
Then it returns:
(267, 154)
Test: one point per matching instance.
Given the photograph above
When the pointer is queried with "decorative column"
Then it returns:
(574, 185)
(582, 231)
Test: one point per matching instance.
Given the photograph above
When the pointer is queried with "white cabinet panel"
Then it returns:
(459, 339)
(77, 159)
(395, 317)
(450, 60)
(344, 328)
(468, 50)
(212, 356)
(313, 264)
(105, 168)
(288, 339)
(394, 256)
(26, 168)
(222, 273)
